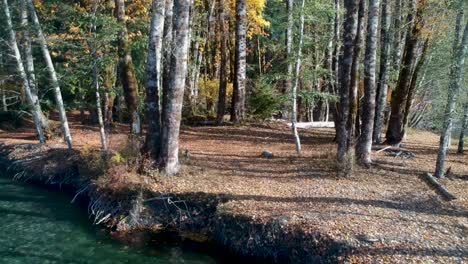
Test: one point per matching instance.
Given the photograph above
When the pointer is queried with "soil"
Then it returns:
(289, 207)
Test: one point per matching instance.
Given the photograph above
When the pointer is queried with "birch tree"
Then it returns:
(297, 139)
(238, 102)
(30, 71)
(455, 79)
(154, 79)
(102, 131)
(363, 148)
(21, 70)
(289, 50)
(175, 90)
(53, 75)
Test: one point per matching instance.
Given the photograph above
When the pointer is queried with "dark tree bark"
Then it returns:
(153, 80)
(414, 80)
(382, 84)
(398, 37)
(456, 76)
(334, 86)
(353, 119)
(363, 148)
(464, 121)
(346, 62)
(395, 131)
(175, 91)
(238, 98)
(127, 70)
(221, 110)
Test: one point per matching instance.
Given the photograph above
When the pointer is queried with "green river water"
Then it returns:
(41, 226)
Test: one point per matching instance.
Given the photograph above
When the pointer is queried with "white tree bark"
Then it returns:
(20, 67)
(102, 130)
(363, 148)
(456, 77)
(297, 139)
(175, 89)
(52, 73)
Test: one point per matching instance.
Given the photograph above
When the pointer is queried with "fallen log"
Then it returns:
(439, 187)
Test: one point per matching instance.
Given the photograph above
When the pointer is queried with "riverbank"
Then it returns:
(286, 208)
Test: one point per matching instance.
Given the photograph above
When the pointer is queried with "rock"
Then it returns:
(267, 154)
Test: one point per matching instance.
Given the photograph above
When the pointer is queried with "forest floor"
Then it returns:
(387, 214)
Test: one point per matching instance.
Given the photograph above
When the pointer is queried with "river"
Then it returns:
(41, 226)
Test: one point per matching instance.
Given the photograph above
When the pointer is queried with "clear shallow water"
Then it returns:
(41, 226)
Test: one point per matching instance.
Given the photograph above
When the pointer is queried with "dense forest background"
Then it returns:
(99, 50)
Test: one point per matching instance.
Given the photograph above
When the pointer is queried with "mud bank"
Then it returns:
(135, 214)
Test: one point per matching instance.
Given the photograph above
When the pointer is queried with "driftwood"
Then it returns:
(439, 187)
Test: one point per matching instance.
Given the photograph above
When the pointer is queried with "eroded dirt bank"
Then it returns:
(289, 208)
(132, 212)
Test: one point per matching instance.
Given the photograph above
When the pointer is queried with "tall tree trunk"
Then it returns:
(127, 70)
(175, 90)
(464, 122)
(363, 148)
(289, 47)
(20, 67)
(297, 139)
(412, 86)
(154, 80)
(30, 71)
(395, 131)
(238, 97)
(353, 119)
(382, 84)
(346, 62)
(167, 51)
(52, 73)
(102, 131)
(398, 37)
(456, 76)
(223, 70)
(335, 65)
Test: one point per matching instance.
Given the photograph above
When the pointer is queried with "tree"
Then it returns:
(464, 122)
(382, 84)
(30, 71)
(363, 149)
(52, 73)
(238, 98)
(297, 139)
(175, 91)
(396, 126)
(102, 131)
(456, 76)
(353, 120)
(154, 79)
(346, 62)
(289, 50)
(223, 70)
(33, 101)
(127, 69)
